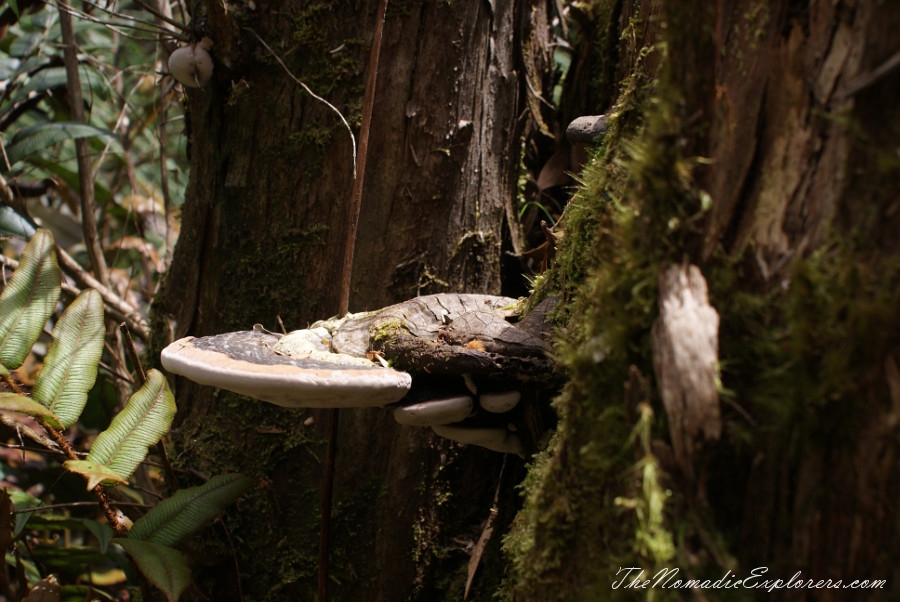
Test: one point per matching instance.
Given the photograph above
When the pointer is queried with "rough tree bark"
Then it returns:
(756, 141)
(262, 236)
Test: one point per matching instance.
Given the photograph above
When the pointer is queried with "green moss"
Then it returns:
(387, 330)
(254, 438)
(792, 349)
(326, 58)
(791, 352)
(355, 532)
(307, 148)
(284, 249)
(604, 49)
(634, 209)
(747, 34)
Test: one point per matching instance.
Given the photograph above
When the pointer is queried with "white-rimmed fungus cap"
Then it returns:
(247, 363)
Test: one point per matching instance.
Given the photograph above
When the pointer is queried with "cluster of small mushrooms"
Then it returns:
(331, 364)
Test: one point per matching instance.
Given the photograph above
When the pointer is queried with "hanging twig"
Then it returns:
(311, 93)
(111, 515)
(344, 300)
(124, 311)
(82, 151)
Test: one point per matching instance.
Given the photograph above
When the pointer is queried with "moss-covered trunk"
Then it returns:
(263, 235)
(753, 140)
(757, 141)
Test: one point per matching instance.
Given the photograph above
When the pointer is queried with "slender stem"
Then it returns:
(85, 179)
(369, 101)
(82, 154)
(113, 301)
(325, 504)
(344, 300)
(133, 354)
(77, 505)
(101, 496)
(23, 429)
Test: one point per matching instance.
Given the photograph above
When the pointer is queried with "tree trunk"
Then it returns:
(751, 145)
(264, 227)
(756, 141)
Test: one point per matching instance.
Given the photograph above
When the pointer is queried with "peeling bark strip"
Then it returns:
(685, 353)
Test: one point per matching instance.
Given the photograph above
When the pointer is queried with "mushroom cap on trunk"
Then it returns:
(245, 362)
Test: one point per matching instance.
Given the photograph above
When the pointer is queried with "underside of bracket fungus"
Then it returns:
(446, 335)
(262, 365)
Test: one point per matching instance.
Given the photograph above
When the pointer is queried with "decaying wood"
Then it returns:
(451, 333)
(685, 354)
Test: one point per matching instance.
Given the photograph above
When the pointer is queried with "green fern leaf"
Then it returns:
(28, 299)
(13, 402)
(70, 367)
(95, 473)
(35, 138)
(175, 518)
(164, 567)
(141, 423)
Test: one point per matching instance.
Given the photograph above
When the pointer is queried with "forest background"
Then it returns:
(750, 155)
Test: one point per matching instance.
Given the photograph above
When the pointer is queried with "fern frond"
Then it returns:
(70, 367)
(187, 510)
(28, 299)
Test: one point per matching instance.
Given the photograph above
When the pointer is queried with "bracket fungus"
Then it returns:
(252, 364)
(444, 338)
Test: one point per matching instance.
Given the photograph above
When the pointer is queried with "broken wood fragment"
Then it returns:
(685, 358)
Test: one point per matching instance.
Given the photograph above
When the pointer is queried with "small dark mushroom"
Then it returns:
(436, 411)
(586, 130)
(495, 439)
